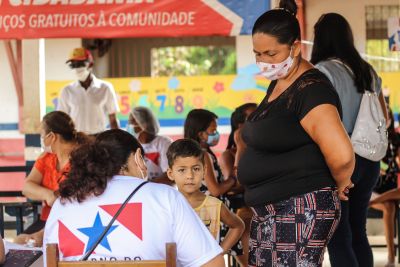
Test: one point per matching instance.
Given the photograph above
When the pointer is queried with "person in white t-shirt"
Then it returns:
(89, 101)
(145, 127)
(103, 174)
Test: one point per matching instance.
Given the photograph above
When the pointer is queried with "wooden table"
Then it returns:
(19, 203)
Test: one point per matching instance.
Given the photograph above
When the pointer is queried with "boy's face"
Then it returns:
(188, 173)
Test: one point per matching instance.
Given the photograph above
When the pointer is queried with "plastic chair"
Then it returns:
(53, 259)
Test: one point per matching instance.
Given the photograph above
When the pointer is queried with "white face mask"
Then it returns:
(276, 71)
(81, 73)
(45, 148)
(142, 173)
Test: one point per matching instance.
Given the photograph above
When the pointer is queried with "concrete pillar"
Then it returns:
(244, 51)
(33, 82)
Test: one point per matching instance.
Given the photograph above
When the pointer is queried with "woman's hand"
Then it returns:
(36, 237)
(343, 191)
(240, 148)
(237, 137)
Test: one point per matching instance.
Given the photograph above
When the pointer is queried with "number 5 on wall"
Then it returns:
(125, 106)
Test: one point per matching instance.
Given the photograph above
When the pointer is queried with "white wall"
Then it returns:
(57, 52)
(352, 10)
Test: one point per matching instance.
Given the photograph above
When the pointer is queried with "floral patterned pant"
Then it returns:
(294, 232)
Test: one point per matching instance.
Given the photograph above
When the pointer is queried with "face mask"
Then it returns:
(81, 73)
(136, 135)
(45, 148)
(276, 71)
(144, 177)
(213, 139)
(130, 129)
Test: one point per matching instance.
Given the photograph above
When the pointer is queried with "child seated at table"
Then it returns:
(2, 252)
(186, 169)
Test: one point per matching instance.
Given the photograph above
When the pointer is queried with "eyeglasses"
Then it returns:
(77, 64)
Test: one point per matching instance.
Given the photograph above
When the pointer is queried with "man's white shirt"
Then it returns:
(89, 109)
(155, 215)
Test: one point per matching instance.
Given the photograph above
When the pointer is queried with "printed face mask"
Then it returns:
(213, 139)
(276, 71)
(81, 73)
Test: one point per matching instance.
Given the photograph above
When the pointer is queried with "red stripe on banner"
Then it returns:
(109, 19)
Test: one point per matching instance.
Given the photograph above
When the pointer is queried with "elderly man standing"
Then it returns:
(90, 102)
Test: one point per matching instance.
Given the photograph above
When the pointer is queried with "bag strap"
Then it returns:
(90, 251)
(352, 73)
(344, 65)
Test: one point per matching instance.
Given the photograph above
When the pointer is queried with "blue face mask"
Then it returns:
(130, 128)
(213, 139)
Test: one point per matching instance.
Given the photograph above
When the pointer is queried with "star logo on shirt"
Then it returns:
(94, 233)
(154, 157)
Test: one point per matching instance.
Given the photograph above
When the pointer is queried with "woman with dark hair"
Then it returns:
(298, 159)
(103, 174)
(335, 55)
(238, 117)
(227, 162)
(58, 138)
(201, 126)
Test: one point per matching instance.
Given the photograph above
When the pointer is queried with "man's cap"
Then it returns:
(80, 54)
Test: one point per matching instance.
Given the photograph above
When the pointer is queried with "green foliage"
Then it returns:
(193, 60)
(380, 47)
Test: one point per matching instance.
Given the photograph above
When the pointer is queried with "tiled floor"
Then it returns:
(374, 228)
(380, 258)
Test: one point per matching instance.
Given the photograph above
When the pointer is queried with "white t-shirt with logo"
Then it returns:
(156, 156)
(89, 109)
(155, 215)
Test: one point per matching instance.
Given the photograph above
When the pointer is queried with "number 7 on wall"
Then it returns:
(162, 99)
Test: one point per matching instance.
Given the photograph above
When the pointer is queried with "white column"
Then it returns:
(33, 83)
(244, 51)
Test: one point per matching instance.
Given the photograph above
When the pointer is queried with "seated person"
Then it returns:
(145, 127)
(227, 162)
(186, 169)
(102, 175)
(386, 202)
(385, 192)
(58, 138)
(2, 252)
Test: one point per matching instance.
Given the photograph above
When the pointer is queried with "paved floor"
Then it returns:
(376, 237)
